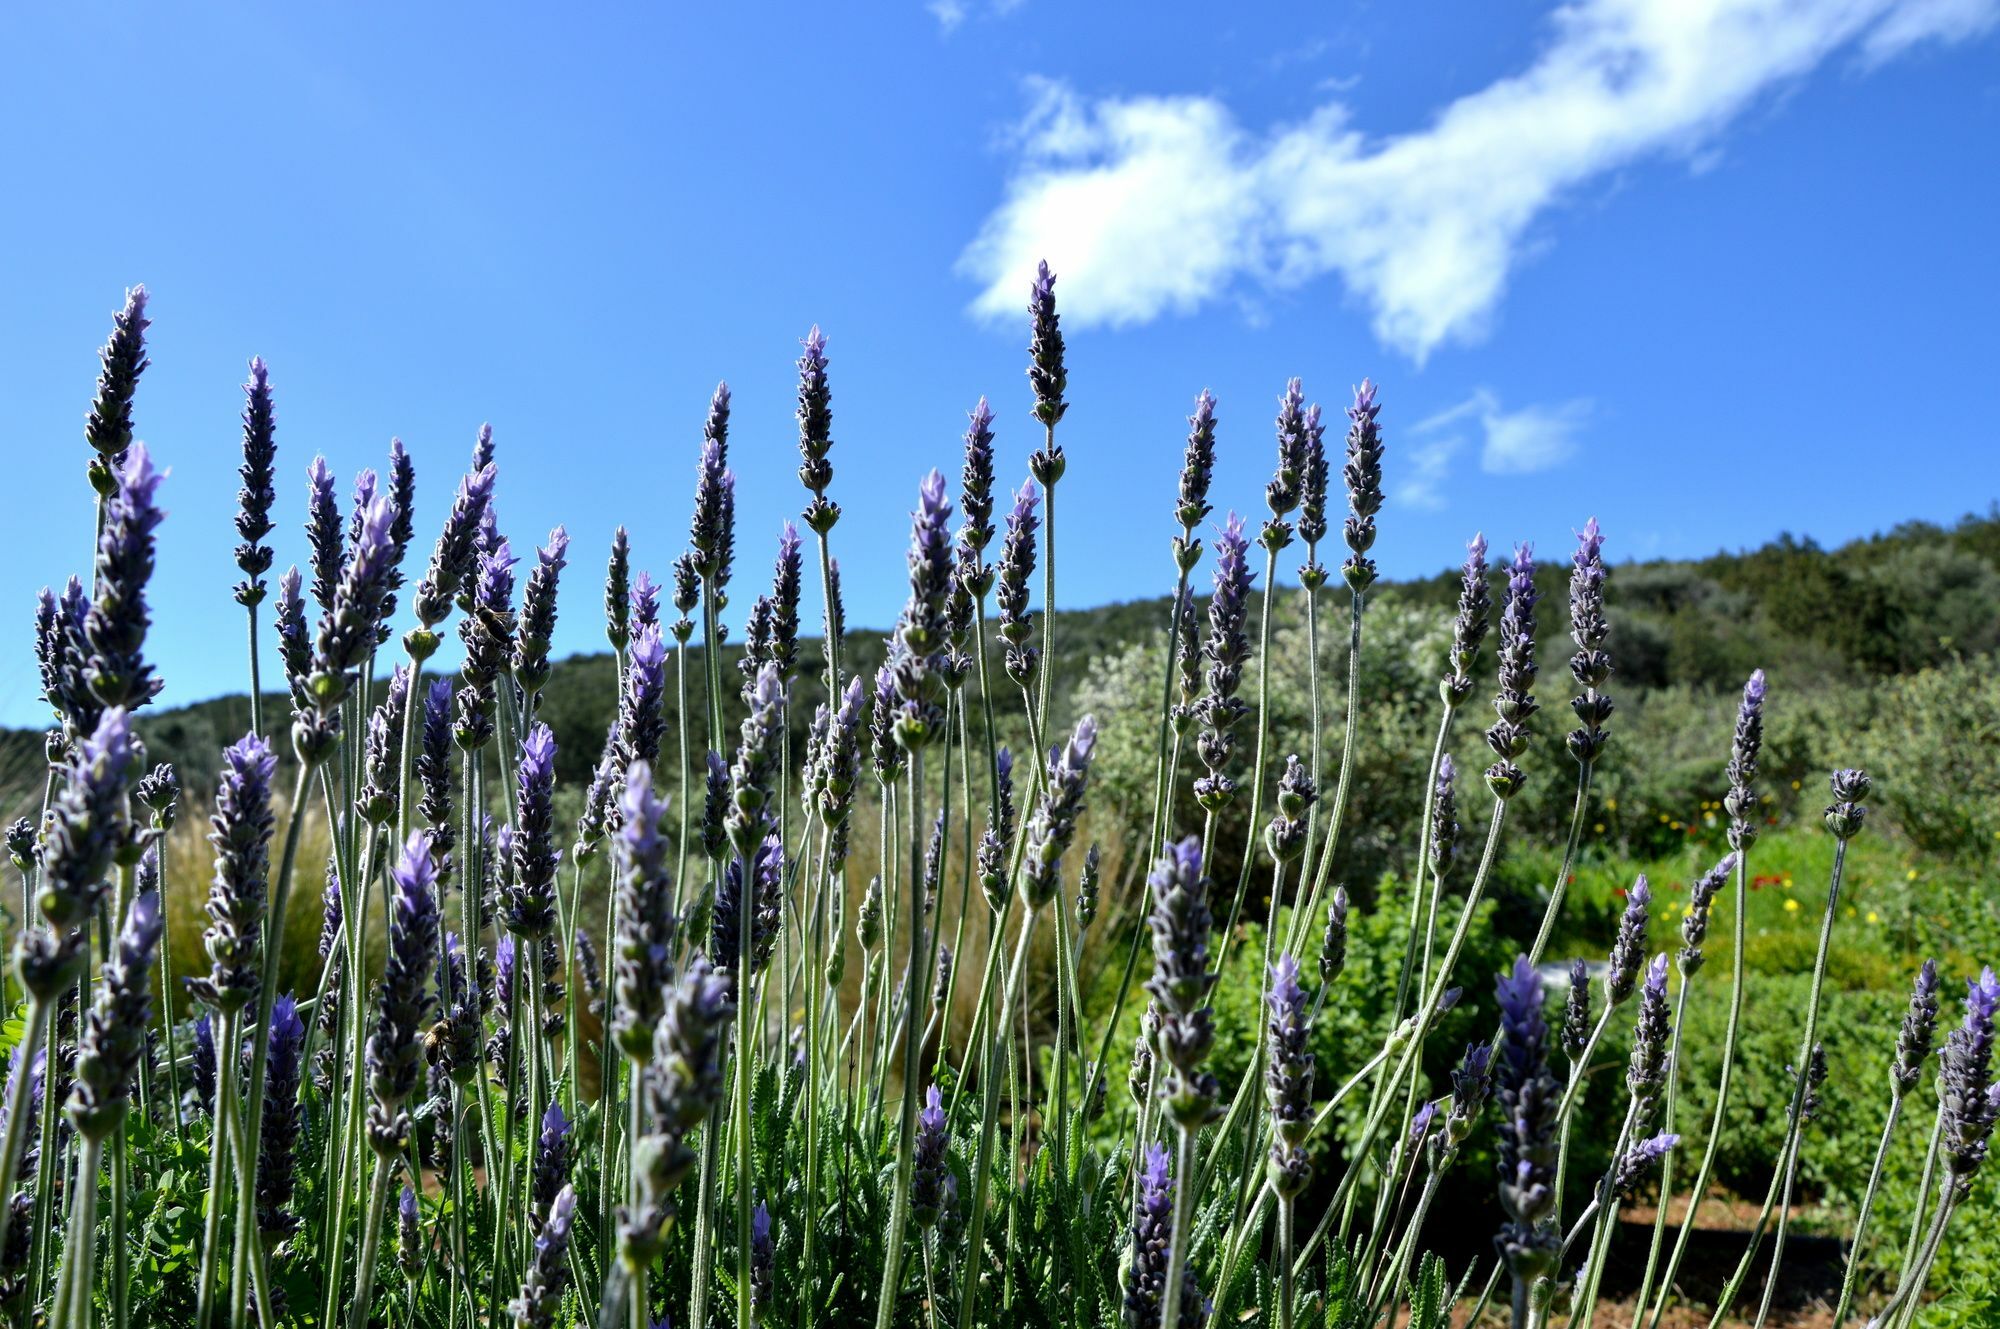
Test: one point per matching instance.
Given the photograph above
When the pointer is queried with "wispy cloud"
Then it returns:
(952, 14)
(1519, 442)
(1157, 205)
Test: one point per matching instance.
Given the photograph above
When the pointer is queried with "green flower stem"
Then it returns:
(1666, 1164)
(1337, 815)
(1183, 1225)
(1421, 1024)
(1584, 771)
(1786, 1156)
(1287, 1284)
(371, 1237)
(989, 1076)
(1778, 1241)
(218, 1149)
(260, 1050)
(1722, 1090)
(1923, 1199)
(73, 1297)
(1910, 1286)
(922, 941)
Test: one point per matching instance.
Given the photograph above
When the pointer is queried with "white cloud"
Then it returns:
(1520, 442)
(1155, 205)
(951, 14)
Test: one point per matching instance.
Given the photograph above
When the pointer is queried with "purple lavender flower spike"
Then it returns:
(1312, 497)
(204, 1062)
(113, 1037)
(1527, 1094)
(278, 1138)
(1015, 570)
(393, 1053)
(1515, 702)
(1646, 1074)
(349, 629)
(548, 1270)
(975, 489)
(1638, 1162)
(454, 558)
(1363, 474)
(815, 416)
(258, 492)
(323, 531)
(1046, 372)
(1919, 1032)
(1053, 827)
(537, 624)
(932, 1164)
(710, 533)
(1152, 1238)
(763, 1257)
(1468, 628)
(1847, 812)
(1444, 819)
(1180, 922)
(108, 427)
(528, 903)
(1281, 496)
(1227, 650)
(241, 833)
(1589, 628)
(487, 632)
(1289, 1078)
(114, 627)
(1966, 1105)
(1701, 901)
(1197, 472)
(642, 963)
(554, 1150)
(917, 648)
(1628, 949)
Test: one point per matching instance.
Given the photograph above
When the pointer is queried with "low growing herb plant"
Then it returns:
(525, 1109)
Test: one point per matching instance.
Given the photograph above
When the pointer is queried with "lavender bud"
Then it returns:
(752, 776)
(204, 1063)
(1333, 942)
(1701, 900)
(1282, 494)
(1053, 827)
(1197, 473)
(1913, 1044)
(1636, 1163)
(1086, 890)
(1444, 820)
(108, 427)
(933, 1163)
(1226, 650)
(599, 807)
(767, 873)
(1528, 1095)
(815, 415)
(916, 649)
(715, 807)
(1312, 498)
(241, 833)
(114, 1032)
(1966, 1104)
(454, 558)
(402, 1002)
(1628, 949)
(382, 762)
(1845, 816)
(348, 630)
(1588, 627)
(711, 531)
(642, 964)
(617, 591)
(642, 718)
(681, 1086)
(1471, 1086)
(278, 1137)
(1515, 702)
(868, 918)
(548, 1270)
(537, 625)
(1576, 1012)
(528, 902)
(1180, 923)
(763, 1257)
(1152, 1239)
(975, 489)
(294, 642)
(998, 840)
(785, 604)
(323, 532)
(941, 981)
(487, 632)
(114, 627)
(1016, 569)
(1363, 473)
(554, 1151)
(1288, 1079)
(1646, 1074)
(160, 790)
(254, 499)
(1285, 836)
(1741, 800)
(1046, 374)
(1468, 626)
(21, 845)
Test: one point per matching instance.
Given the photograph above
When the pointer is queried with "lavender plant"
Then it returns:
(669, 1017)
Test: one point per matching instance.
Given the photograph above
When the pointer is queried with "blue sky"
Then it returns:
(1709, 271)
